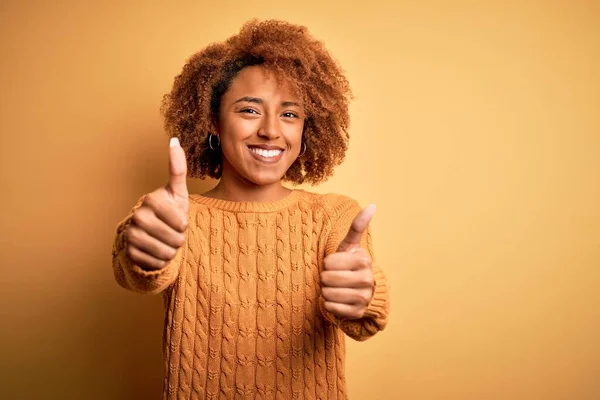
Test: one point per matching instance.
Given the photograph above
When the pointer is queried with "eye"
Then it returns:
(290, 115)
(249, 111)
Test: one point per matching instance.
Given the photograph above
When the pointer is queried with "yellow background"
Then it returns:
(475, 130)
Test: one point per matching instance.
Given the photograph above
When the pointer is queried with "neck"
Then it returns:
(234, 188)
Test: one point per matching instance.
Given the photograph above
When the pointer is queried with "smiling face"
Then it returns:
(260, 126)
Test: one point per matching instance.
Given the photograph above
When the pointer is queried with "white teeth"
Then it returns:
(266, 153)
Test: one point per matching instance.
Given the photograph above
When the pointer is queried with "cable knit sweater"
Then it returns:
(244, 317)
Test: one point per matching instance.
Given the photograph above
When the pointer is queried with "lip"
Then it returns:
(265, 160)
(265, 147)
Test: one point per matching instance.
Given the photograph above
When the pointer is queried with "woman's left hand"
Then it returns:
(347, 282)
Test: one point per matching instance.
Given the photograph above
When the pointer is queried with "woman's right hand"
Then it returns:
(158, 226)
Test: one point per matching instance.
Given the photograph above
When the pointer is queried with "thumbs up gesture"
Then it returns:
(158, 226)
(347, 278)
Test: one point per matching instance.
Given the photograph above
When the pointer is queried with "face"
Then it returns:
(260, 126)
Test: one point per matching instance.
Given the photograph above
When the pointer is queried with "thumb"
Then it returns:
(177, 185)
(358, 227)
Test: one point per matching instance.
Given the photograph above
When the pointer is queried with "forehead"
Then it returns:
(257, 81)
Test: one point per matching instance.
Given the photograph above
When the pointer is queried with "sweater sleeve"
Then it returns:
(376, 315)
(133, 277)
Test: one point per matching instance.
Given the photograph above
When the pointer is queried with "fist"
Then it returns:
(347, 278)
(157, 228)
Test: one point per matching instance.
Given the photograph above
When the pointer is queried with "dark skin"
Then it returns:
(257, 112)
(260, 129)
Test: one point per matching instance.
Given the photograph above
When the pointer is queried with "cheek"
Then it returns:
(293, 136)
(229, 147)
(234, 133)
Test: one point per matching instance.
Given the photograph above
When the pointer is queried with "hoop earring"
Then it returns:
(303, 149)
(210, 142)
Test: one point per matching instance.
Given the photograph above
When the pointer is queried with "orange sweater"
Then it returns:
(244, 318)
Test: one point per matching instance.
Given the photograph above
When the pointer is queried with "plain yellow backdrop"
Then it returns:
(475, 130)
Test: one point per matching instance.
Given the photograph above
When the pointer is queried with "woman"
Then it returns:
(260, 282)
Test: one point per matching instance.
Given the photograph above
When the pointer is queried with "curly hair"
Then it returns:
(291, 54)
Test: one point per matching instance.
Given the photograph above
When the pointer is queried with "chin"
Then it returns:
(264, 178)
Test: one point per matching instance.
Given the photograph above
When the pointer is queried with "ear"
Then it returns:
(304, 126)
(215, 126)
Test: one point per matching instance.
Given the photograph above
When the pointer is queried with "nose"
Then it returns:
(268, 129)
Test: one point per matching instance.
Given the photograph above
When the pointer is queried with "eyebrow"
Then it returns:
(257, 100)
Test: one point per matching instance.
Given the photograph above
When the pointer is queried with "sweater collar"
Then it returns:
(249, 206)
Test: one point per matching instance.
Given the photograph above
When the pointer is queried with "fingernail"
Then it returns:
(372, 207)
(174, 142)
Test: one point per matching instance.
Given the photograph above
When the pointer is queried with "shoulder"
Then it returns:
(332, 204)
